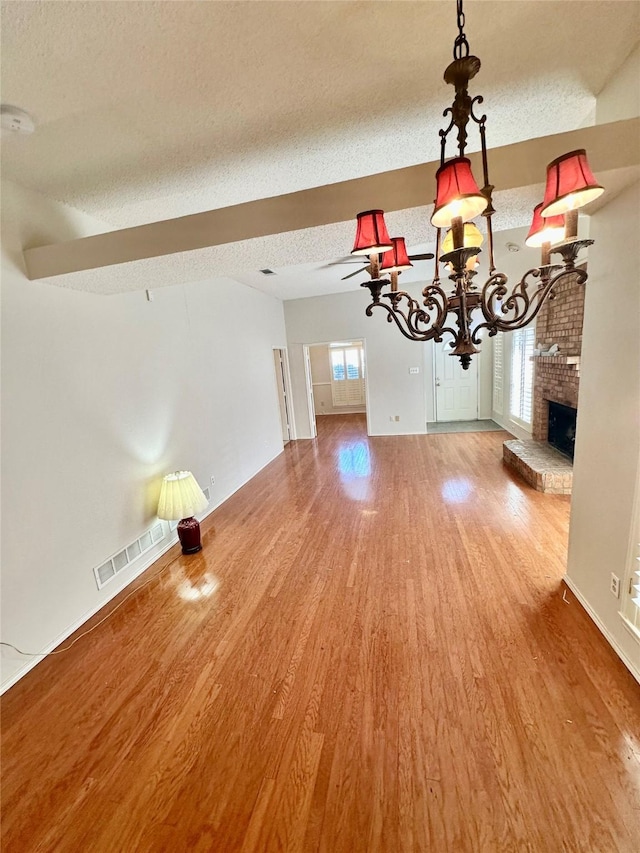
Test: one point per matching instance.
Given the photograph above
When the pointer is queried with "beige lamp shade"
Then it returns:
(180, 497)
(472, 237)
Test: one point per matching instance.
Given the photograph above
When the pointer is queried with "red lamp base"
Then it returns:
(189, 535)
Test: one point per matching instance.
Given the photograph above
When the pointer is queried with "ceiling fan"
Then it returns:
(404, 264)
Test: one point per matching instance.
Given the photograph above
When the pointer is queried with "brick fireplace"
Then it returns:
(556, 379)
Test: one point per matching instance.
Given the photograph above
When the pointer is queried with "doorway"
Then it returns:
(284, 396)
(456, 389)
(336, 379)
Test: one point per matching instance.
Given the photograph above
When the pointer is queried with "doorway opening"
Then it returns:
(336, 379)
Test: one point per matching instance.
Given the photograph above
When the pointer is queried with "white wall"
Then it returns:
(620, 98)
(391, 389)
(606, 468)
(101, 397)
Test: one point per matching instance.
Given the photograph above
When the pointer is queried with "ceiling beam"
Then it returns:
(609, 146)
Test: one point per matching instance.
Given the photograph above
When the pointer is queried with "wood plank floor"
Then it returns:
(371, 653)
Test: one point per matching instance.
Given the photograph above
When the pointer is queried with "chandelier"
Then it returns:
(467, 311)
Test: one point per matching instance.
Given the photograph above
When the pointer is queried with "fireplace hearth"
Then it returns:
(545, 461)
(562, 428)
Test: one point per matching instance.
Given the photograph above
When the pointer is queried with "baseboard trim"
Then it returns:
(633, 669)
(348, 412)
(146, 564)
(508, 425)
(29, 665)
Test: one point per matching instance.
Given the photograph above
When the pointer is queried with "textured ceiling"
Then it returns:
(151, 110)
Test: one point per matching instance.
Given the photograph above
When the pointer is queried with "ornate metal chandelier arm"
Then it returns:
(444, 133)
(396, 316)
(521, 306)
(414, 321)
(481, 120)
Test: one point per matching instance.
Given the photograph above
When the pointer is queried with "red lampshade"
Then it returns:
(457, 194)
(570, 184)
(372, 236)
(544, 230)
(397, 259)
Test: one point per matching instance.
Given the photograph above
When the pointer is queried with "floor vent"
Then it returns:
(109, 569)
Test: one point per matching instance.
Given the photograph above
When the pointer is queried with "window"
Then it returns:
(634, 594)
(347, 375)
(521, 399)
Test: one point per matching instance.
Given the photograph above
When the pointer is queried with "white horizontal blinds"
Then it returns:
(497, 373)
(347, 376)
(521, 399)
(633, 607)
(635, 589)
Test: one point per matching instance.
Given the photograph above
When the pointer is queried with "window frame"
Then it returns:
(522, 376)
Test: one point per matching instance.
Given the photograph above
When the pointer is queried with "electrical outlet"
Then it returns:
(213, 480)
(615, 585)
(397, 418)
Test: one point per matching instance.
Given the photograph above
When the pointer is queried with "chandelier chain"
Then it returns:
(461, 45)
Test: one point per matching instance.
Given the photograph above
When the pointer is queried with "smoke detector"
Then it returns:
(15, 120)
(513, 247)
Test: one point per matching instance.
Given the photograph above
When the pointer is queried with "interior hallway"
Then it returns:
(371, 653)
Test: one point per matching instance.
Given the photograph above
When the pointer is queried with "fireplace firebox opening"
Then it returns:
(562, 428)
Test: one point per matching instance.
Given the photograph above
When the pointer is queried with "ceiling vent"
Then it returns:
(267, 271)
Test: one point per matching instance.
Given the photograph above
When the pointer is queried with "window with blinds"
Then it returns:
(498, 373)
(347, 376)
(635, 595)
(521, 398)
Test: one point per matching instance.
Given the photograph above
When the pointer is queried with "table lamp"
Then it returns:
(180, 499)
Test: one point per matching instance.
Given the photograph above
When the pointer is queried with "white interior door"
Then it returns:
(456, 389)
(283, 398)
(310, 403)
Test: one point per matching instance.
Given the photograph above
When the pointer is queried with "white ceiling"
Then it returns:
(152, 110)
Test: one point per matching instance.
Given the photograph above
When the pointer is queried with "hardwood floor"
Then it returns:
(371, 653)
